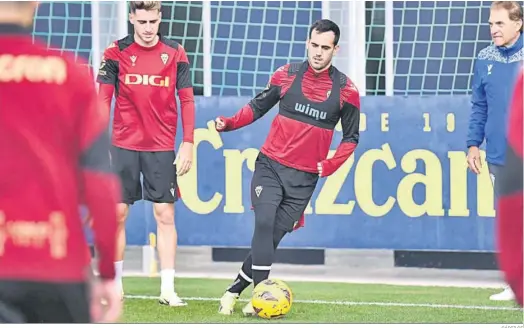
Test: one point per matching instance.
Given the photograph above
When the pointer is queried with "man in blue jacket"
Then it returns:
(496, 68)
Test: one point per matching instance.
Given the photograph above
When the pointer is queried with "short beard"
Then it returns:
(320, 68)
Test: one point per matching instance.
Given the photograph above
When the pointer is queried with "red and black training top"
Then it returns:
(144, 80)
(510, 201)
(55, 157)
(311, 104)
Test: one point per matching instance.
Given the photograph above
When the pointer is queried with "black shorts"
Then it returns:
(158, 170)
(287, 188)
(38, 302)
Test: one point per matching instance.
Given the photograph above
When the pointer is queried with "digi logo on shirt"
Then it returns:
(144, 79)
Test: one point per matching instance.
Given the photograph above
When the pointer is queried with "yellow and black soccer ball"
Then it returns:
(272, 298)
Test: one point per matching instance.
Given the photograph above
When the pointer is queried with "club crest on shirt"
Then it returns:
(258, 190)
(172, 189)
(133, 60)
(165, 57)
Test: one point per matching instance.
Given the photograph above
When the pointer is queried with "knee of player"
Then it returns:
(164, 214)
(264, 221)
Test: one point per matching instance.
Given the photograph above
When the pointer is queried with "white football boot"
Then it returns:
(227, 303)
(248, 310)
(171, 299)
(505, 295)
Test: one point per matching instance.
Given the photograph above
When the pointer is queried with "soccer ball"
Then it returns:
(272, 298)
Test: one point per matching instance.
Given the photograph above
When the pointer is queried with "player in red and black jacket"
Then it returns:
(55, 157)
(313, 95)
(510, 200)
(143, 70)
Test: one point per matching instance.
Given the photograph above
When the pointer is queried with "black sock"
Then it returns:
(239, 285)
(244, 278)
(260, 275)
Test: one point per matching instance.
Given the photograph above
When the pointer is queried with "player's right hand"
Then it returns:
(220, 124)
(106, 302)
(474, 162)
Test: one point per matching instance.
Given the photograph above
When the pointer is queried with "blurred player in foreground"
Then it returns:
(143, 70)
(509, 218)
(495, 69)
(55, 156)
(313, 96)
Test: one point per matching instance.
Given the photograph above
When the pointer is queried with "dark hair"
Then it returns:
(145, 5)
(513, 7)
(325, 25)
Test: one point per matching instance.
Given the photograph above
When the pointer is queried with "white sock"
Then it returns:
(119, 268)
(167, 280)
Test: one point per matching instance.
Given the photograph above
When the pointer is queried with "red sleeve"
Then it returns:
(185, 94)
(510, 201)
(105, 95)
(261, 104)
(99, 186)
(350, 120)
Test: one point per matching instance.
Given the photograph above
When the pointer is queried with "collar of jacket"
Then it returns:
(511, 50)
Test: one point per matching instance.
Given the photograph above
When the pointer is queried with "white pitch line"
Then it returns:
(386, 304)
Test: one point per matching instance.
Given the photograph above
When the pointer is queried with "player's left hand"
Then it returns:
(105, 291)
(184, 158)
(319, 167)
